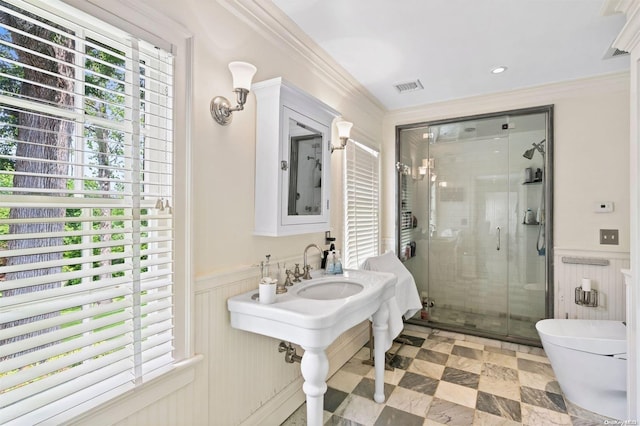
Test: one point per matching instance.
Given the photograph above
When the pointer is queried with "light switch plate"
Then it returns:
(603, 207)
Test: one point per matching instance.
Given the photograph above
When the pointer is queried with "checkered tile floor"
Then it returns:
(453, 379)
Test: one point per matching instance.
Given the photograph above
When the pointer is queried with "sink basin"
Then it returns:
(330, 290)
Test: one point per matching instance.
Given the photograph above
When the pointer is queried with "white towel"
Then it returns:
(406, 301)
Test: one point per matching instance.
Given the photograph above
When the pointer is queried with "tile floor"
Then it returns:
(452, 379)
(518, 325)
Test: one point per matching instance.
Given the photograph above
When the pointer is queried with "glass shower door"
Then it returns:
(527, 255)
(469, 223)
(473, 197)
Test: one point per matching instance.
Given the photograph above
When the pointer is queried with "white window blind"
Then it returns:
(362, 204)
(86, 239)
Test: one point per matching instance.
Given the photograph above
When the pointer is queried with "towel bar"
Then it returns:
(586, 261)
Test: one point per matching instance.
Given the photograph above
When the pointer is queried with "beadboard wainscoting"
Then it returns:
(249, 381)
(242, 378)
(607, 280)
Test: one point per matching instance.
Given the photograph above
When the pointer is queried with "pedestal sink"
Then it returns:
(313, 314)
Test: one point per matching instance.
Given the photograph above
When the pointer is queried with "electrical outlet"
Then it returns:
(609, 236)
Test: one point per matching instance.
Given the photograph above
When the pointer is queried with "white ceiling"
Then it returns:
(451, 46)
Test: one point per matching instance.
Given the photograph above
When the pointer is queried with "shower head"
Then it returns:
(528, 154)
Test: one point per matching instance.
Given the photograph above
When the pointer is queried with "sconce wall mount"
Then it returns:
(220, 106)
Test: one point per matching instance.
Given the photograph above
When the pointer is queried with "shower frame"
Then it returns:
(549, 213)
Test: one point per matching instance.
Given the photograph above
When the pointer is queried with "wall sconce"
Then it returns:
(423, 170)
(220, 107)
(403, 168)
(344, 130)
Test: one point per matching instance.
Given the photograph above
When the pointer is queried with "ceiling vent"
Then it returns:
(409, 86)
(613, 52)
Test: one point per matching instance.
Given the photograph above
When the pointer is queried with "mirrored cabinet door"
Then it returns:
(306, 150)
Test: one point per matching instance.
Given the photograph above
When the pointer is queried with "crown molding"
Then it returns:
(612, 7)
(513, 99)
(629, 36)
(270, 22)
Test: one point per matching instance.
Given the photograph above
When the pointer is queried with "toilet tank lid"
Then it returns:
(601, 337)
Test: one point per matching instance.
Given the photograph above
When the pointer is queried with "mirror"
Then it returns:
(305, 174)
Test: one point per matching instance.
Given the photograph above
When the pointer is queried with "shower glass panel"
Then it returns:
(472, 229)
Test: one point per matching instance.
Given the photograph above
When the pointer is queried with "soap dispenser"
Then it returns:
(337, 263)
(331, 263)
(325, 256)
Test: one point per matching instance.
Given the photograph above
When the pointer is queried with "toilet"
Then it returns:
(588, 358)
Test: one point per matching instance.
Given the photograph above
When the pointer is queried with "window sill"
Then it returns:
(130, 402)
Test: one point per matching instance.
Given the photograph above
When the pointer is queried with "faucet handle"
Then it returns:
(297, 274)
(307, 275)
(287, 281)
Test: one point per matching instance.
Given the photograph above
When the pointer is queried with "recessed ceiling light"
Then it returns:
(498, 70)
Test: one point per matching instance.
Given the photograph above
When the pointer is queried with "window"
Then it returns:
(86, 211)
(362, 204)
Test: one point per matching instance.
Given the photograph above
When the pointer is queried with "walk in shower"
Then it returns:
(474, 221)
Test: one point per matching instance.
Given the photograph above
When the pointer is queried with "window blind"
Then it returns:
(86, 229)
(362, 204)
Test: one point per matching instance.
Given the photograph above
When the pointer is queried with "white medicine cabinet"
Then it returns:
(293, 160)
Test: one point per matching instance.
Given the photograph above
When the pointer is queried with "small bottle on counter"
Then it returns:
(331, 263)
(337, 264)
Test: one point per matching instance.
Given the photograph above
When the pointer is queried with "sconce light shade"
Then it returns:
(220, 107)
(344, 129)
(242, 73)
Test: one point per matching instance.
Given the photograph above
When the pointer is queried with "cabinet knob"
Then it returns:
(284, 165)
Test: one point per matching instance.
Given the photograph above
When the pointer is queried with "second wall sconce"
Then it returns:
(220, 107)
(344, 131)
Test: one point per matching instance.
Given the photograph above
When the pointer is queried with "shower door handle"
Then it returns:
(498, 245)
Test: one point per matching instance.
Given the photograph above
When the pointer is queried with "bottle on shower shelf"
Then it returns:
(538, 175)
(529, 217)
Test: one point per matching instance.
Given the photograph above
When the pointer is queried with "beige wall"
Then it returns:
(224, 157)
(591, 134)
(591, 149)
(592, 165)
